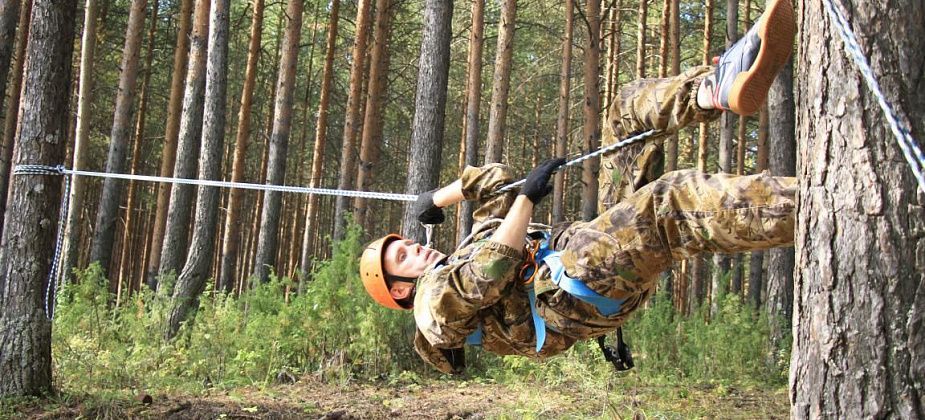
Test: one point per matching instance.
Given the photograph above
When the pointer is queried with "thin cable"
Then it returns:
(907, 144)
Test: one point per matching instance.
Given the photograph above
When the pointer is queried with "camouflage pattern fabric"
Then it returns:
(666, 105)
(619, 254)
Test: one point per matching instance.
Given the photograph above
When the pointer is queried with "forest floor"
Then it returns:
(429, 399)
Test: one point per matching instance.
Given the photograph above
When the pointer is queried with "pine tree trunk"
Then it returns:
(781, 161)
(176, 231)
(698, 268)
(28, 240)
(230, 239)
(722, 263)
(756, 264)
(471, 126)
(128, 253)
(858, 348)
(738, 265)
(643, 15)
(430, 106)
(501, 82)
(562, 118)
(352, 121)
(672, 66)
(592, 110)
(372, 120)
(11, 113)
(192, 280)
(612, 64)
(108, 210)
(169, 152)
(9, 20)
(267, 242)
(311, 209)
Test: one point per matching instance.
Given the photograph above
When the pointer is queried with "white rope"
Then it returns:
(903, 135)
(60, 170)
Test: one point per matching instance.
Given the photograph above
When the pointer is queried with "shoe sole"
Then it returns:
(750, 88)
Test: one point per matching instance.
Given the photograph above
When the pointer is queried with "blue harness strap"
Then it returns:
(577, 288)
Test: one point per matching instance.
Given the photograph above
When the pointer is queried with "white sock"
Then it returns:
(705, 92)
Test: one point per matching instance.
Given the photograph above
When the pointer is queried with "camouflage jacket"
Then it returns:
(479, 286)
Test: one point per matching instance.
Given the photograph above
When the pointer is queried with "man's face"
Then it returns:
(406, 258)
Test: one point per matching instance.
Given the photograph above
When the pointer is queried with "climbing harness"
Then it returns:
(907, 144)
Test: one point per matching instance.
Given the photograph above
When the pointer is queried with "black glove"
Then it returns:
(426, 211)
(537, 184)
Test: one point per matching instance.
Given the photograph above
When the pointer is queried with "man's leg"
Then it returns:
(681, 214)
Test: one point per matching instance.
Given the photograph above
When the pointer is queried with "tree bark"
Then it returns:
(9, 20)
(698, 268)
(592, 110)
(108, 210)
(501, 82)
(674, 68)
(169, 152)
(372, 120)
(562, 118)
(430, 107)
(471, 126)
(29, 237)
(11, 113)
(232, 224)
(352, 120)
(267, 239)
(192, 279)
(858, 348)
(321, 132)
(176, 230)
(756, 265)
(128, 253)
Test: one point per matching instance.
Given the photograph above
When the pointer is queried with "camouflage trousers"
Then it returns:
(621, 253)
(666, 105)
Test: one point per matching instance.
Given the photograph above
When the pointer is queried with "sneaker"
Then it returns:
(745, 72)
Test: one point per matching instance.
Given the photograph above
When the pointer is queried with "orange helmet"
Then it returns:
(373, 274)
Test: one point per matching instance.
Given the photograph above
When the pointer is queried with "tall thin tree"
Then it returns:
(562, 117)
(28, 240)
(176, 230)
(120, 138)
(430, 107)
(267, 240)
(698, 269)
(11, 113)
(501, 82)
(232, 224)
(171, 135)
(471, 126)
(9, 20)
(352, 119)
(192, 279)
(321, 132)
(592, 110)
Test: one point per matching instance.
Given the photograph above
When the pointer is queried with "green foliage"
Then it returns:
(332, 329)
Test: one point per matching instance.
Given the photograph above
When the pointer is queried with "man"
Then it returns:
(524, 289)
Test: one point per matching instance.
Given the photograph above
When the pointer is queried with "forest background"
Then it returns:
(349, 96)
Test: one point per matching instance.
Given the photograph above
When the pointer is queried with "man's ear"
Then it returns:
(398, 293)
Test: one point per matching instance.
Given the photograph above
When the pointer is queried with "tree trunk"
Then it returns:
(562, 118)
(612, 63)
(11, 113)
(756, 265)
(471, 126)
(279, 143)
(9, 20)
(738, 265)
(192, 279)
(592, 110)
(501, 82)
(232, 224)
(128, 253)
(641, 39)
(352, 119)
(673, 56)
(176, 231)
(169, 152)
(372, 120)
(858, 348)
(321, 132)
(698, 267)
(108, 210)
(429, 108)
(722, 263)
(29, 238)
(781, 161)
